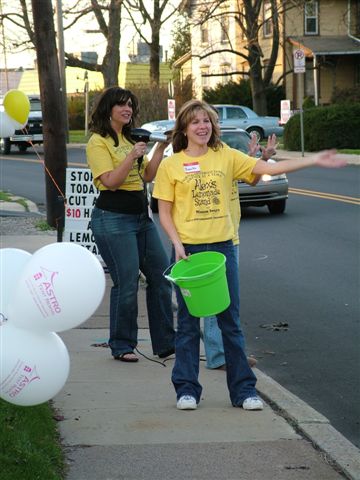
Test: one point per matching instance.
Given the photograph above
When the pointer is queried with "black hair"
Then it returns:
(100, 121)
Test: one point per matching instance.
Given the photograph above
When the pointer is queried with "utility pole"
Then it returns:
(54, 113)
(61, 59)
(86, 93)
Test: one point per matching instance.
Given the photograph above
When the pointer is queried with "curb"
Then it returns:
(312, 425)
(16, 208)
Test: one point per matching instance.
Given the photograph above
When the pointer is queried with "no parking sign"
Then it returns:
(299, 61)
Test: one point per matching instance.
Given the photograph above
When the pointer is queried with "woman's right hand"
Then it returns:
(139, 149)
(180, 252)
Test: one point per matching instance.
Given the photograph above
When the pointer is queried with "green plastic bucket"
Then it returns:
(202, 282)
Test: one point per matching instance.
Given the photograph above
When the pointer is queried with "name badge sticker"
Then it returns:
(191, 167)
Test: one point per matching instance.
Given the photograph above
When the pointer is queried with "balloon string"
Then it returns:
(24, 130)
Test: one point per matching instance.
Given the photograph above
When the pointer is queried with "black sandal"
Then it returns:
(124, 357)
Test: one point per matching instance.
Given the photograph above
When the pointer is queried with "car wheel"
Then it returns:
(6, 146)
(22, 147)
(277, 206)
(154, 205)
(258, 132)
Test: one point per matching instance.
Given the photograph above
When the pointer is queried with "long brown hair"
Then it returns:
(100, 118)
(185, 116)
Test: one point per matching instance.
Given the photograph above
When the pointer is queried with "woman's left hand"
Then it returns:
(330, 159)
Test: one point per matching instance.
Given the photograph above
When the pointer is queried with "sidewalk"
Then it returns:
(120, 420)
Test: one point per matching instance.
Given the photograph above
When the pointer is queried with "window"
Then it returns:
(235, 113)
(224, 72)
(224, 24)
(268, 26)
(204, 80)
(204, 33)
(311, 17)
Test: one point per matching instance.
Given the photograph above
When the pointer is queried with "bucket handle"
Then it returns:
(166, 271)
(171, 279)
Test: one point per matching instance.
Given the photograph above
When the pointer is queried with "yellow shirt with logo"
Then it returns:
(200, 189)
(103, 156)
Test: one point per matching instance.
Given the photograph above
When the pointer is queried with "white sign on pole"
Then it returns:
(81, 196)
(285, 111)
(299, 61)
(171, 109)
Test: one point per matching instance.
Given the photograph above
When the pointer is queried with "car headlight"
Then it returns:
(269, 178)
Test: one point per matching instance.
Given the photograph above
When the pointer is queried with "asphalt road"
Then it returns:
(299, 276)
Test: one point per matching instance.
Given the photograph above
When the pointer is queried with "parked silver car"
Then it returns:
(233, 116)
(270, 191)
(245, 118)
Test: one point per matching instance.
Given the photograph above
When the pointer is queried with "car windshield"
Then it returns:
(238, 140)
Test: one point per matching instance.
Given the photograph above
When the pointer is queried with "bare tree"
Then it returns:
(248, 16)
(111, 31)
(108, 17)
(156, 20)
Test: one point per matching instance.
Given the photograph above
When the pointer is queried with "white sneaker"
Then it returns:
(186, 402)
(252, 403)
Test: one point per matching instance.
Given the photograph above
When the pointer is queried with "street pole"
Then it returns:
(61, 60)
(86, 91)
(299, 69)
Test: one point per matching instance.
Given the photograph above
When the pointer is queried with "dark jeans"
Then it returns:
(240, 378)
(129, 243)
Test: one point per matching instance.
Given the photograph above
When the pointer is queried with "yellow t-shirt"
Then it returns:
(103, 156)
(201, 191)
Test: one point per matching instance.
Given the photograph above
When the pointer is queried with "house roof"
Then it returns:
(329, 45)
(183, 59)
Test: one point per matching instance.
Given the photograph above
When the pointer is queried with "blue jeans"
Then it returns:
(212, 338)
(240, 378)
(129, 243)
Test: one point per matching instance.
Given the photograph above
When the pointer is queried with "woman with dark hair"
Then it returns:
(127, 239)
(193, 190)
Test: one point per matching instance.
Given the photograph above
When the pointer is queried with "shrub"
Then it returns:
(308, 103)
(274, 94)
(76, 112)
(325, 127)
(346, 95)
(232, 92)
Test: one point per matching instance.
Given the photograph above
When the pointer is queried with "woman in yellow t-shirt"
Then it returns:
(126, 237)
(211, 335)
(193, 189)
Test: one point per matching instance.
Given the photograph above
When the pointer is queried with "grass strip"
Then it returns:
(29, 443)
(78, 136)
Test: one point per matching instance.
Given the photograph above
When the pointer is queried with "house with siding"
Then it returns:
(129, 74)
(327, 31)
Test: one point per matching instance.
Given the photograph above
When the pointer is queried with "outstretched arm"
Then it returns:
(326, 159)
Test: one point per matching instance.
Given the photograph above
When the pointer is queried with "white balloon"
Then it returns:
(60, 287)
(34, 365)
(18, 125)
(7, 125)
(12, 263)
